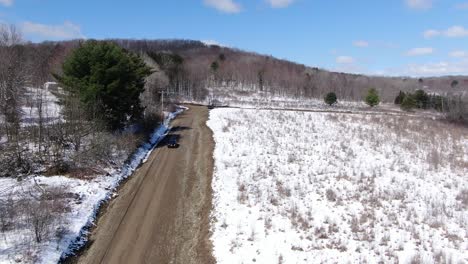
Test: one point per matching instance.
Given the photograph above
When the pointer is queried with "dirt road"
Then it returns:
(162, 213)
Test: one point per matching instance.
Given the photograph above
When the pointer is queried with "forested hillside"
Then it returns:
(192, 68)
(199, 66)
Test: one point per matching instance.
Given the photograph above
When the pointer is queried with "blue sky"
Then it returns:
(398, 37)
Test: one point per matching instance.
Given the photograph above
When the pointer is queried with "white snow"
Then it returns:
(251, 98)
(301, 187)
(50, 110)
(88, 195)
(19, 243)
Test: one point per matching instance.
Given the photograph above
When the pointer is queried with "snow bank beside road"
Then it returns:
(83, 198)
(141, 155)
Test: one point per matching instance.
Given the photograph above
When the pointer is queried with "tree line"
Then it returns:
(200, 66)
(188, 67)
(455, 108)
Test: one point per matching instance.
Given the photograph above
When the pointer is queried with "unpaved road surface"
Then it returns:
(162, 213)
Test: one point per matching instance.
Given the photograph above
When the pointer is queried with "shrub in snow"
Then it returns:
(463, 198)
(421, 98)
(372, 99)
(7, 214)
(330, 98)
(331, 195)
(408, 103)
(399, 99)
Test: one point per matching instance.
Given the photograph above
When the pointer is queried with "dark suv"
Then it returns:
(172, 143)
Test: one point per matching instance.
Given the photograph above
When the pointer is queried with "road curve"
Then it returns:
(162, 213)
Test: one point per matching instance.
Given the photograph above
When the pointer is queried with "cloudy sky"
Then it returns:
(398, 37)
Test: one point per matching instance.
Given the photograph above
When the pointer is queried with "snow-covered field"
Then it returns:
(251, 98)
(301, 187)
(40, 104)
(80, 198)
(79, 201)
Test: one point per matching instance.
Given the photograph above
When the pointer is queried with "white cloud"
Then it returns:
(225, 6)
(441, 68)
(458, 54)
(437, 69)
(279, 3)
(344, 60)
(456, 31)
(419, 51)
(451, 32)
(419, 4)
(67, 30)
(6, 2)
(431, 33)
(361, 43)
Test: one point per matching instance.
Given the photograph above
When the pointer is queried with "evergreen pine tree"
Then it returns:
(330, 98)
(372, 99)
(421, 98)
(214, 66)
(108, 80)
(408, 103)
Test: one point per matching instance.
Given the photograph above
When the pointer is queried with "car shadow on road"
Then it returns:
(179, 128)
(168, 139)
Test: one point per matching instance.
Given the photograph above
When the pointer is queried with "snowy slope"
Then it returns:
(297, 187)
(49, 112)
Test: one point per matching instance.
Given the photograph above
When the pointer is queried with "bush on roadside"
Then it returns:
(150, 121)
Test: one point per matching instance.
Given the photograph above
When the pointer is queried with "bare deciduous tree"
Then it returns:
(7, 213)
(12, 80)
(43, 210)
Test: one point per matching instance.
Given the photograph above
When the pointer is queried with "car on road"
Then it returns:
(172, 143)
